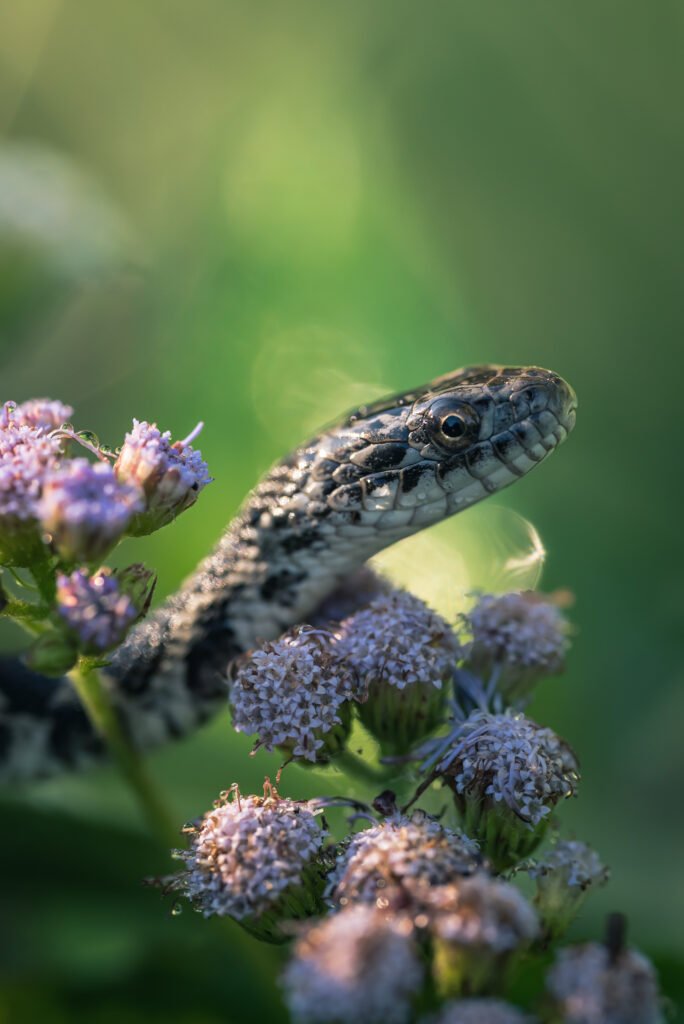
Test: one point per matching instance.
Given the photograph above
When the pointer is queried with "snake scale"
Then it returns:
(382, 473)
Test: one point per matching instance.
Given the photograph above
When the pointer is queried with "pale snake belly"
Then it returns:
(382, 473)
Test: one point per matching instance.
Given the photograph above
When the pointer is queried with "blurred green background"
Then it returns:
(259, 214)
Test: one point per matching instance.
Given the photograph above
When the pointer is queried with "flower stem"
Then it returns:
(88, 684)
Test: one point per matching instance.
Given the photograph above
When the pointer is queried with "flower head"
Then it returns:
(507, 773)
(94, 609)
(590, 985)
(564, 877)
(403, 652)
(85, 509)
(579, 865)
(170, 474)
(478, 925)
(399, 640)
(254, 859)
(510, 759)
(44, 414)
(481, 912)
(517, 639)
(27, 456)
(294, 693)
(398, 853)
(479, 1011)
(357, 965)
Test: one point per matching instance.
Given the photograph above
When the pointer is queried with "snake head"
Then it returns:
(415, 458)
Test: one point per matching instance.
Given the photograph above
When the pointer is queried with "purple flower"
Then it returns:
(251, 855)
(516, 640)
(171, 475)
(27, 455)
(358, 965)
(404, 653)
(94, 609)
(590, 984)
(507, 774)
(85, 509)
(294, 693)
(43, 413)
(399, 640)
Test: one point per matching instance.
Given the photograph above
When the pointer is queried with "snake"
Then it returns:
(379, 474)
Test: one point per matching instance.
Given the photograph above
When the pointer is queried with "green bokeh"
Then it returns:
(256, 215)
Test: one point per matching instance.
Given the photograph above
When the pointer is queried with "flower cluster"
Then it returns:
(61, 514)
(27, 455)
(515, 640)
(95, 609)
(592, 984)
(507, 773)
(579, 865)
(509, 759)
(255, 859)
(85, 509)
(294, 694)
(482, 912)
(400, 852)
(398, 640)
(41, 413)
(359, 965)
(404, 654)
(170, 474)
(411, 913)
(564, 877)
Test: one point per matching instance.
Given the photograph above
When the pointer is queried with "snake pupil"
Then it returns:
(453, 426)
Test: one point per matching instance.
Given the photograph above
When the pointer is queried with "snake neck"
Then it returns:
(272, 568)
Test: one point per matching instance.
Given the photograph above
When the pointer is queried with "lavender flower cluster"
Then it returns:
(62, 513)
(417, 917)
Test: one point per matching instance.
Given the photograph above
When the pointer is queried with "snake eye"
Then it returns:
(452, 424)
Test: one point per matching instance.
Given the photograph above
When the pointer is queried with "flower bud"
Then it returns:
(404, 653)
(589, 984)
(564, 877)
(257, 860)
(516, 640)
(294, 694)
(171, 475)
(94, 610)
(356, 966)
(507, 773)
(85, 509)
(383, 863)
(478, 926)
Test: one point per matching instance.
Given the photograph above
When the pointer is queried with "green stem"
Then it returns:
(88, 684)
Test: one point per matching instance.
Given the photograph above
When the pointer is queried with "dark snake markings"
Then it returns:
(382, 473)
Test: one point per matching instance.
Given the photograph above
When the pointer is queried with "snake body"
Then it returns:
(382, 473)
